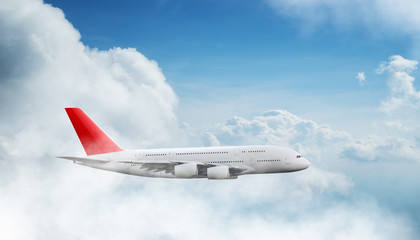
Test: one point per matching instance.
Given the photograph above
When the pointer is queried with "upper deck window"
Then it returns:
(298, 156)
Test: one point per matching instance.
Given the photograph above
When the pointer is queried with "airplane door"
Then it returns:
(287, 160)
(236, 154)
(252, 162)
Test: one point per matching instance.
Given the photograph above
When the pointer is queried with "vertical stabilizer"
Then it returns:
(93, 139)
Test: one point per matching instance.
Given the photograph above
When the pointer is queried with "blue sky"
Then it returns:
(229, 52)
(205, 73)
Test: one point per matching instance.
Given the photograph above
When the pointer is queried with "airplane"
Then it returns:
(226, 162)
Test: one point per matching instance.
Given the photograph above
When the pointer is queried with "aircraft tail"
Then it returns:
(93, 139)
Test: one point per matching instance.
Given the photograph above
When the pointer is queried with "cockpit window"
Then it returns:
(298, 156)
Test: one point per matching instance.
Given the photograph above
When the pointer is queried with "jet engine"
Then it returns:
(219, 172)
(188, 170)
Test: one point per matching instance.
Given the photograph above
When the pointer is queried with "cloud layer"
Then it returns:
(318, 142)
(45, 67)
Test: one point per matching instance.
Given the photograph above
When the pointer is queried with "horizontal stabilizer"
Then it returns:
(85, 160)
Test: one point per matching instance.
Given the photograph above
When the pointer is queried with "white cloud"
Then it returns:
(89, 204)
(320, 143)
(400, 83)
(210, 140)
(361, 78)
(398, 64)
(279, 127)
(380, 17)
(45, 67)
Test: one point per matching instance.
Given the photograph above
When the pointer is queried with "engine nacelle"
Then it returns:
(188, 170)
(219, 172)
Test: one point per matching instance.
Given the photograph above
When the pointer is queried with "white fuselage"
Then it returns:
(238, 160)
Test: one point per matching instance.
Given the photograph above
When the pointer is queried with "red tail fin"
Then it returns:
(93, 139)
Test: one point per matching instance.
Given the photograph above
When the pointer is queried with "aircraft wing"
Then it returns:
(158, 165)
(168, 166)
(85, 160)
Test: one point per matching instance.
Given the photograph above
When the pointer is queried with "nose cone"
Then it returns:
(301, 164)
(305, 163)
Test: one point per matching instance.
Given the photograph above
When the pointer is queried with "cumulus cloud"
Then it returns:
(210, 140)
(320, 143)
(397, 64)
(400, 83)
(361, 78)
(47, 68)
(280, 127)
(44, 67)
(393, 145)
(396, 135)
